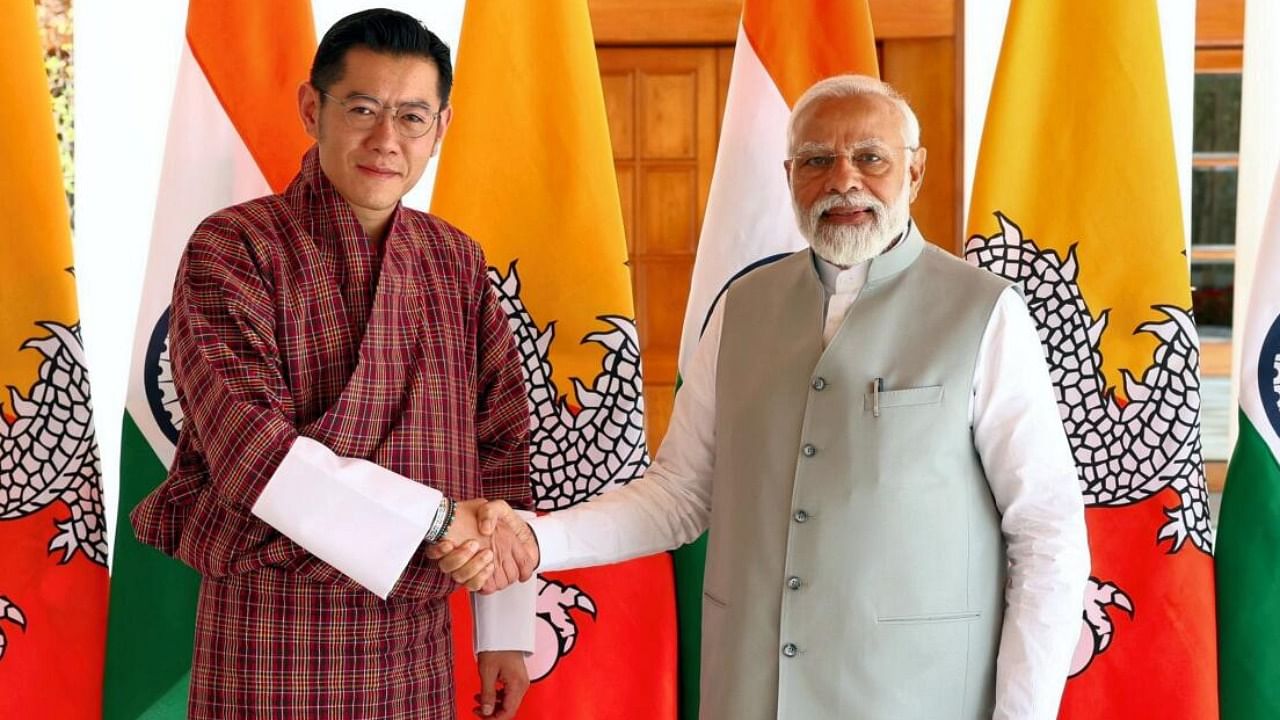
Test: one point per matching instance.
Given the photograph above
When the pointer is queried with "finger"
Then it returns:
(459, 557)
(513, 694)
(477, 581)
(475, 571)
(439, 550)
(488, 688)
(526, 562)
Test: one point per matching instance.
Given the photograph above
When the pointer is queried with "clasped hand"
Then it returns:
(487, 548)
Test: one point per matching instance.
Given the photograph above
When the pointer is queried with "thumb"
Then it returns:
(489, 515)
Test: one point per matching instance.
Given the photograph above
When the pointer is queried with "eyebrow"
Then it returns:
(814, 148)
(414, 101)
(817, 148)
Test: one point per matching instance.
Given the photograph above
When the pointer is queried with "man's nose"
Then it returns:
(844, 176)
(383, 134)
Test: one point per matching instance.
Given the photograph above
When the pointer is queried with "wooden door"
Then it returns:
(663, 108)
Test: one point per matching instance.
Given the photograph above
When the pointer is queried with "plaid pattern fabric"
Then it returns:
(287, 322)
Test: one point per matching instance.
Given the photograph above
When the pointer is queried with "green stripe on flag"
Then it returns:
(1248, 566)
(690, 561)
(153, 598)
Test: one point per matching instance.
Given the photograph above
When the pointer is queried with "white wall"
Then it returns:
(126, 66)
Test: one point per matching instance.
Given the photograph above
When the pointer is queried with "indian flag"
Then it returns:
(782, 49)
(1248, 555)
(53, 543)
(1076, 198)
(234, 134)
(527, 170)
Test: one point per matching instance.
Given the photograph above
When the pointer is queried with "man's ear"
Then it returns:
(917, 171)
(309, 109)
(442, 126)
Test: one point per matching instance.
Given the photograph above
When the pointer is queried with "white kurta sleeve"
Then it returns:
(358, 516)
(1019, 435)
(667, 507)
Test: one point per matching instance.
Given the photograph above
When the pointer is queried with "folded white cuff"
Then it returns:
(359, 517)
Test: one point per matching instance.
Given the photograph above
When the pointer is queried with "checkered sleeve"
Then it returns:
(502, 405)
(226, 363)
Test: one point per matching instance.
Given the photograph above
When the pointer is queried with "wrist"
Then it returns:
(442, 520)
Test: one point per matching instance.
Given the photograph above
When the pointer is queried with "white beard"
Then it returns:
(848, 245)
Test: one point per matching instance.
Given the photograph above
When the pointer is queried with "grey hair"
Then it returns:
(844, 86)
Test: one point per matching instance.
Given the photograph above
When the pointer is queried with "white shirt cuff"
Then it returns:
(553, 542)
(359, 517)
(505, 619)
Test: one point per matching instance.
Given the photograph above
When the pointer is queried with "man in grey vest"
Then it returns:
(869, 430)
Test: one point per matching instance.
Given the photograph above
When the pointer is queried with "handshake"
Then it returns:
(487, 547)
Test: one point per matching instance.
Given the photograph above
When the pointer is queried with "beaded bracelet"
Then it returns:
(434, 533)
(444, 527)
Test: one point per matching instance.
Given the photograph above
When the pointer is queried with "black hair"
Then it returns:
(382, 31)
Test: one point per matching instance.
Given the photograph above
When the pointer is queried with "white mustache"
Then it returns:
(849, 201)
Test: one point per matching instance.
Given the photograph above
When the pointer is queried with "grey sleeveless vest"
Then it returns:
(856, 567)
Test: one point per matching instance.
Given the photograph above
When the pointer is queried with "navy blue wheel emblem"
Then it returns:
(157, 381)
(1269, 375)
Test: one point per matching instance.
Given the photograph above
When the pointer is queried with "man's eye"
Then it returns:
(413, 118)
(819, 161)
(361, 110)
(868, 158)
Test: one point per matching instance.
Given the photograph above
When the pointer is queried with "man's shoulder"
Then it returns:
(264, 216)
(938, 262)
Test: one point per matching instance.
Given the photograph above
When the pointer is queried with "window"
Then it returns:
(1215, 160)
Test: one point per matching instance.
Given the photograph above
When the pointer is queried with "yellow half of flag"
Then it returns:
(1078, 148)
(35, 233)
(527, 168)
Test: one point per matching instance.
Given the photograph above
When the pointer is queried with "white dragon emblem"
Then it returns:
(1125, 452)
(575, 454)
(48, 454)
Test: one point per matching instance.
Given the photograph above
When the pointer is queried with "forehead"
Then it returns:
(845, 121)
(391, 78)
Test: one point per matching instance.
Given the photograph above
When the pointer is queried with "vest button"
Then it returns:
(809, 450)
(819, 384)
(794, 582)
(790, 650)
(801, 516)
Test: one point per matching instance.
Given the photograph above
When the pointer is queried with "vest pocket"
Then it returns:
(905, 397)
(929, 618)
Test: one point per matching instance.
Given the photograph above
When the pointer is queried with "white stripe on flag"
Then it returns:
(749, 213)
(206, 168)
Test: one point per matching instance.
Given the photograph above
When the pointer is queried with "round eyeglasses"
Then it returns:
(364, 112)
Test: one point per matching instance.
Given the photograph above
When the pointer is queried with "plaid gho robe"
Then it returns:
(286, 323)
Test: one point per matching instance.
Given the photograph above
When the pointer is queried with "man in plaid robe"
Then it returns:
(344, 369)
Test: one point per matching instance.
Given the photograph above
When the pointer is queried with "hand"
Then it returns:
(507, 667)
(471, 562)
(483, 531)
(514, 545)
